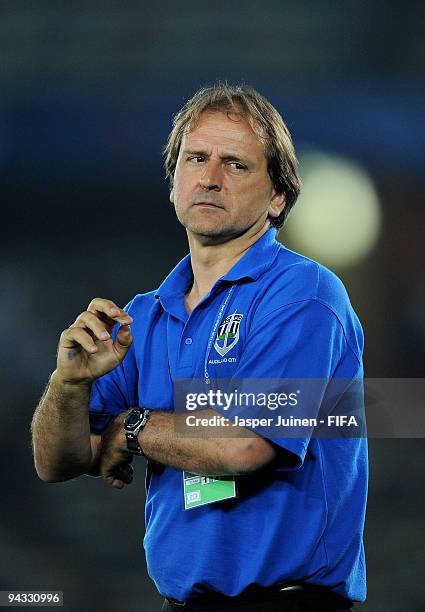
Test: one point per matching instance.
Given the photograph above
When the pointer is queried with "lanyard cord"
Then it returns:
(213, 332)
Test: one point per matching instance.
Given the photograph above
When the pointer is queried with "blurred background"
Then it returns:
(87, 94)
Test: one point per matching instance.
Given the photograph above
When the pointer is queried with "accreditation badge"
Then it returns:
(201, 490)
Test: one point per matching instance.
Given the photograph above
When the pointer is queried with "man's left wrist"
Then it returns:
(134, 423)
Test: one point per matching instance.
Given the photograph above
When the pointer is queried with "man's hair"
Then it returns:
(265, 120)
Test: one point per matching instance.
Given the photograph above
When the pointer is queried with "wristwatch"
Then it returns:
(134, 422)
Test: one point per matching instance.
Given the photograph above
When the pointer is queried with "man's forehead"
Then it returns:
(230, 126)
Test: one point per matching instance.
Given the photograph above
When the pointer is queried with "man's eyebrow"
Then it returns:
(193, 152)
(226, 157)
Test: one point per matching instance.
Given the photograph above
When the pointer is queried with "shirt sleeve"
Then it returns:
(303, 340)
(108, 399)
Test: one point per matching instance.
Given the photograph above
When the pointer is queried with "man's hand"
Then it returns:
(86, 350)
(115, 460)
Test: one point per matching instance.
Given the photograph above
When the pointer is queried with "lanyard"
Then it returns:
(214, 330)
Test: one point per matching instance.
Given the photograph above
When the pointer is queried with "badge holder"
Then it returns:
(201, 490)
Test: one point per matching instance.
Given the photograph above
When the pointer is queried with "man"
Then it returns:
(287, 535)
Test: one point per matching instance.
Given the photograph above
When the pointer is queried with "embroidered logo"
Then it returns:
(228, 333)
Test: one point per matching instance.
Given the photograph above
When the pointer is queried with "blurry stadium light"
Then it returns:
(337, 219)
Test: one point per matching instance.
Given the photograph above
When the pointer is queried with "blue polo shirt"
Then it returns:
(302, 524)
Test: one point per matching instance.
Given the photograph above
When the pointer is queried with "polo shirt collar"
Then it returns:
(178, 281)
(255, 261)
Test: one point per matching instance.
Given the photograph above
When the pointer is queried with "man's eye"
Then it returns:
(237, 166)
(198, 159)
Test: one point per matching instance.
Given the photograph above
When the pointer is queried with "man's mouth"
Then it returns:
(207, 205)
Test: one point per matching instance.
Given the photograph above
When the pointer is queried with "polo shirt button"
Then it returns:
(188, 341)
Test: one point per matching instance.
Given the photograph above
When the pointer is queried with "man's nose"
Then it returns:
(211, 177)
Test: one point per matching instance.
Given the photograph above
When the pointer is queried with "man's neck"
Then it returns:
(212, 261)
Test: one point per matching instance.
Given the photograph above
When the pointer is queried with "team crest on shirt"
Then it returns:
(228, 333)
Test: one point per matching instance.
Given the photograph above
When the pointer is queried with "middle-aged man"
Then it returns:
(287, 535)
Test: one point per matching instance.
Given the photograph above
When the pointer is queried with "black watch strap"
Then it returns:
(133, 445)
(134, 422)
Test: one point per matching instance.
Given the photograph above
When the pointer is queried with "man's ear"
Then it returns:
(172, 195)
(277, 204)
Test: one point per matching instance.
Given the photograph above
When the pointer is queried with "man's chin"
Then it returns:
(213, 236)
(209, 231)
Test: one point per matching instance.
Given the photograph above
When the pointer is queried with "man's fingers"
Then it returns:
(102, 305)
(118, 484)
(104, 308)
(78, 336)
(124, 473)
(120, 475)
(124, 340)
(96, 323)
(92, 323)
(114, 482)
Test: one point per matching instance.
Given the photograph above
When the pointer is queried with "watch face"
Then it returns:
(133, 419)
